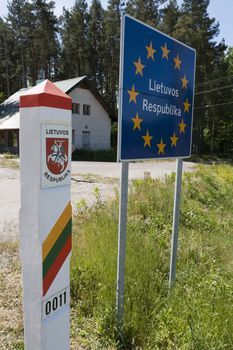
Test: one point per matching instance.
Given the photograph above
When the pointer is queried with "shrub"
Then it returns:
(96, 156)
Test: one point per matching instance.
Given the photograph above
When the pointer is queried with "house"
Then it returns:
(91, 117)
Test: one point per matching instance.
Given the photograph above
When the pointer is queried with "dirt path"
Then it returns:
(88, 179)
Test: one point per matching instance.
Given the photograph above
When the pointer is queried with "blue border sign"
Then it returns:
(157, 76)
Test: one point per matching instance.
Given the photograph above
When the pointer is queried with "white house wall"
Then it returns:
(98, 123)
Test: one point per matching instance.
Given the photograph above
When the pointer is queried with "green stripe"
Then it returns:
(57, 247)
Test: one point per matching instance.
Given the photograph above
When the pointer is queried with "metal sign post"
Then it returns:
(122, 242)
(45, 216)
(176, 217)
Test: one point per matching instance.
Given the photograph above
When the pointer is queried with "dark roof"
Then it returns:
(11, 105)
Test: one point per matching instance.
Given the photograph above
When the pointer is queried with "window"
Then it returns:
(2, 138)
(73, 137)
(13, 138)
(86, 110)
(76, 108)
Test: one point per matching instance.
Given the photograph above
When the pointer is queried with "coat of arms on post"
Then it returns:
(57, 154)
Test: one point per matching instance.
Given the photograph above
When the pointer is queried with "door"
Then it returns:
(86, 139)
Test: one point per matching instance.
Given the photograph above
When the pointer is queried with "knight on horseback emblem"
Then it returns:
(56, 157)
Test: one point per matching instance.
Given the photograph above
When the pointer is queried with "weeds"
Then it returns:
(11, 325)
(197, 313)
(9, 162)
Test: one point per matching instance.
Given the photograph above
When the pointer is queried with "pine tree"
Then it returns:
(74, 40)
(96, 43)
(35, 32)
(17, 18)
(144, 10)
(198, 30)
(45, 44)
(229, 60)
(111, 51)
(7, 50)
(170, 15)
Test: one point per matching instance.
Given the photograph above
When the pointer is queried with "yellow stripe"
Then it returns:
(56, 230)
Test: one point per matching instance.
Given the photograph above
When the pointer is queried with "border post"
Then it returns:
(45, 216)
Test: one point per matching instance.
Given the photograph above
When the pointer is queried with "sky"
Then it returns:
(222, 10)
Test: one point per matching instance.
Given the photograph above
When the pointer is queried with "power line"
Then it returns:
(215, 89)
(215, 80)
(216, 105)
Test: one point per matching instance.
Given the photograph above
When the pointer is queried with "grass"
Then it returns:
(212, 159)
(198, 312)
(8, 160)
(11, 323)
(92, 178)
(196, 315)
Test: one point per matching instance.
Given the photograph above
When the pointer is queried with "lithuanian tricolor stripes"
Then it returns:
(56, 247)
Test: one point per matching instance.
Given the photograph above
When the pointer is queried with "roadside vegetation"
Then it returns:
(11, 318)
(197, 314)
(95, 156)
(8, 160)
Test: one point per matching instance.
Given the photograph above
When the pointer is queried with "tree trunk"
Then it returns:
(23, 69)
(212, 136)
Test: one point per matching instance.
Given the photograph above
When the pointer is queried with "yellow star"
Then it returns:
(177, 62)
(184, 82)
(150, 51)
(139, 67)
(174, 139)
(161, 146)
(182, 126)
(137, 121)
(186, 106)
(165, 51)
(132, 95)
(147, 138)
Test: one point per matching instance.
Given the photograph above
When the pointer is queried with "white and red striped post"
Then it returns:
(45, 216)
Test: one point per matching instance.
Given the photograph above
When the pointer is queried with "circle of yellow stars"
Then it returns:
(137, 120)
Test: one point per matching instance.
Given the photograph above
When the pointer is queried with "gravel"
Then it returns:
(86, 178)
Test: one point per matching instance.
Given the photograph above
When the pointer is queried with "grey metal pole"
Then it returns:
(122, 243)
(176, 217)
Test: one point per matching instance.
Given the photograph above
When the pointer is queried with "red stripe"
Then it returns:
(54, 269)
(46, 100)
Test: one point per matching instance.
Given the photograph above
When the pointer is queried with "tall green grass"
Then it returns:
(198, 312)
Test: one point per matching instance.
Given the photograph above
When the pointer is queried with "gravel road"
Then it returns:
(86, 176)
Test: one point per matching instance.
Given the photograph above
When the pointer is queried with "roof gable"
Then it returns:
(11, 105)
(69, 84)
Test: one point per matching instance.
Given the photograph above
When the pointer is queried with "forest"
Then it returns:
(85, 40)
